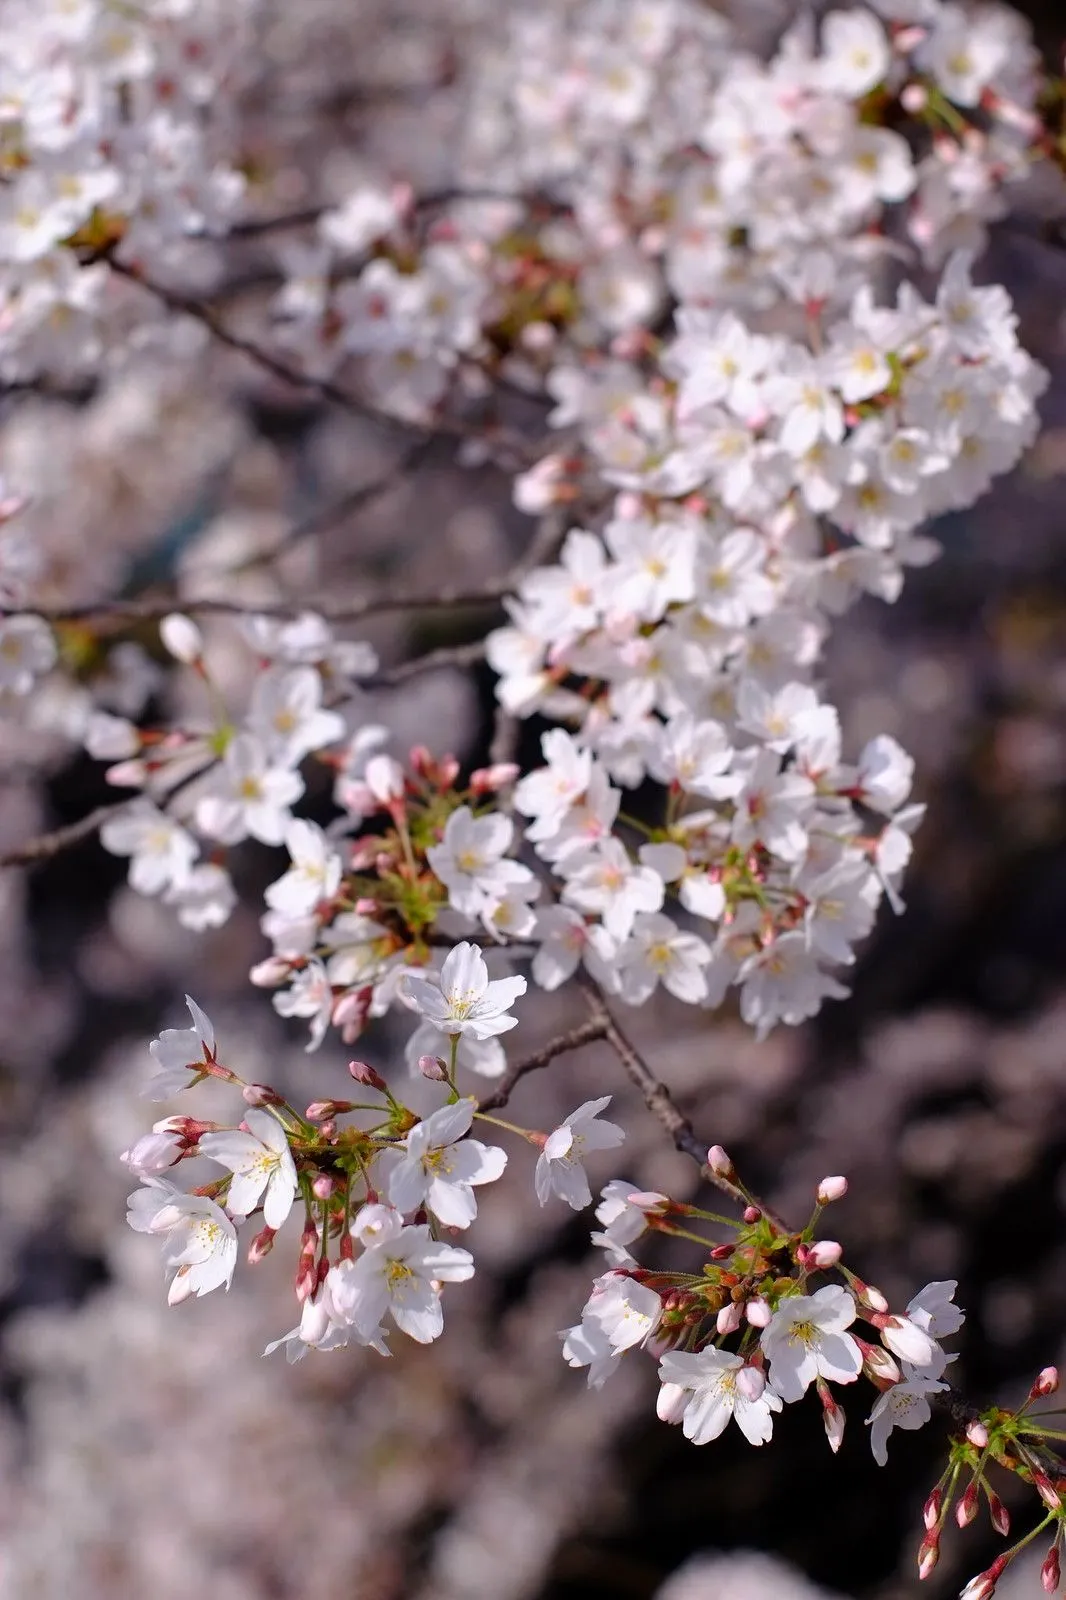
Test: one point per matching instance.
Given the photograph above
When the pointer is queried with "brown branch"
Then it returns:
(585, 1033)
(47, 845)
(331, 611)
(449, 655)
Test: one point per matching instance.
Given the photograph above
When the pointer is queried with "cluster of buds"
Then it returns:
(1018, 1442)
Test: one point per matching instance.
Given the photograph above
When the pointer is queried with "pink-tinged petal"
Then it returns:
(425, 997)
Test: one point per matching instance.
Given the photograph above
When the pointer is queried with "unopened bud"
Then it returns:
(261, 1094)
(720, 1164)
(1046, 1490)
(384, 778)
(325, 1110)
(306, 1283)
(877, 1362)
(269, 973)
(832, 1416)
(831, 1189)
(966, 1507)
(181, 638)
(984, 1585)
(261, 1246)
(824, 1253)
(752, 1214)
(977, 1434)
(932, 1509)
(869, 1298)
(998, 1512)
(928, 1554)
(758, 1312)
(323, 1186)
(433, 1068)
(489, 780)
(751, 1382)
(729, 1318)
(1047, 1381)
(1051, 1571)
(367, 1075)
(672, 1402)
(914, 98)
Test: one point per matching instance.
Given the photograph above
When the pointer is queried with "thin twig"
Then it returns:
(47, 845)
(449, 655)
(585, 1033)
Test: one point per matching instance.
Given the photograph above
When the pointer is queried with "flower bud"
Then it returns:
(260, 1094)
(1050, 1572)
(367, 1075)
(906, 1340)
(966, 1507)
(915, 98)
(384, 779)
(269, 973)
(720, 1163)
(154, 1153)
(181, 638)
(729, 1318)
(261, 1246)
(324, 1110)
(832, 1416)
(869, 1298)
(877, 1363)
(932, 1509)
(672, 1402)
(434, 1068)
(751, 1382)
(977, 1434)
(984, 1585)
(824, 1253)
(758, 1312)
(1046, 1489)
(831, 1189)
(1047, 1381)
(322, 1186)
(489, 780)
(998, 1512)
(928, 1554)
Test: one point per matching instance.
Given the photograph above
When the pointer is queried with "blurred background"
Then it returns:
(144, 1450)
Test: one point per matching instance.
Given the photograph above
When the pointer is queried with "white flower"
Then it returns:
(618, 1316)
(315, 873)
(154, 1153)
(657, 952)
(462, 1000)
(909, 1342)
(605, 880)
(180, 1054)
(905, 1405)
(161, 852)
(201, 1241)
(932, 1309)
(440, 1172)
(27, 651)
(805, 1339)
(559, 1170)
(471, 860)
(262, 1166)
(400, 1272)
(722, 1386)
(248, 794)
(286, 714)
(623, 1214)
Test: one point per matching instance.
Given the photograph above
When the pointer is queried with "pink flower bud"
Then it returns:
(869, 1298)
(720, 1163)
(1047, 1381)
(154, 1153)
(752, 1214)
(350, 1013)
(672, 1402)
(998, 1513)
(966, 1507)
(928, 1554)
(751, 1382)
(323, 1110)
(261, 1246)
(260, 1094)
(1050, 1572)
(1046, 1490)
(906, 1340)
(932, 1509)
(729, 1318)
(877, 1362)
(323, 1186)
(306, 1283)
(977, 1434)
(489, 780)
(832, 1416)
(758, 1312)
(984, 1585)
(831, 1189)
(915, 98)
(824, 1253)
(367, 1075)
(434, 1068)
(269, 973)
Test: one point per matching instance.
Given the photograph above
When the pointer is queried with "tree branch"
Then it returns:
(585, 1033)
(47, 845)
